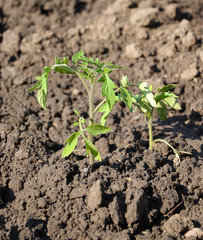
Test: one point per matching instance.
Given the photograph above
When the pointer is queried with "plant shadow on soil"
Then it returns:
(185, 126)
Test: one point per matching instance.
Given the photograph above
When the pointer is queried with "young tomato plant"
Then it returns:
(147, 102)
(90, 72)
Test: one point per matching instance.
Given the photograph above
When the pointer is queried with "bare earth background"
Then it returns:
(133, 193)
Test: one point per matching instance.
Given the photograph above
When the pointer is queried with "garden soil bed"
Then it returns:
(133, 193)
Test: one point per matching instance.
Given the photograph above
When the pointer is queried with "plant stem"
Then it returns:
(91, 119)
(84, 83)
(149, 122)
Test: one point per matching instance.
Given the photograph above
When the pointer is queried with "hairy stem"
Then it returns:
(91, 119)
(150, 133)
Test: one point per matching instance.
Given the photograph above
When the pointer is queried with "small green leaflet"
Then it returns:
(76, 112)
(171, 102)
(37, 85)
(42, 92)
(102, 78)
(75, 124)
(150, 88)
(127, 98)
(78, 56)
(142, 86)
(47, 69)
(96, 129)
(41, 86)
(167, 88)
(65, 60)
(104, 108)
(58, 60)
(71, 143)
(150, 98)
(64, 69)
(124, 81)
(108, 70)
(108, 87)
(144, 107)
(162, 110)
(91, 148)
(113, 66)
(163, 95)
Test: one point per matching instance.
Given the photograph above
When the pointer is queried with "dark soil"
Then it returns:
(133, 193)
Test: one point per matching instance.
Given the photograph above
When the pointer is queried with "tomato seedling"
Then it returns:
(90, 72)
(147, 102)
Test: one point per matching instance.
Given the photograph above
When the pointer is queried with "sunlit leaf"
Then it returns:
(71, 144)
(142, 86)
(150, 98)
(167, 88)
(96, 129)
(76, 112)
(104, 108)
(75, 124)
(108, 87)
(77, 56)
(65, 69)
(91, 148)
(171, 102)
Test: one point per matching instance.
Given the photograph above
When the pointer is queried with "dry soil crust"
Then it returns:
(133, 193)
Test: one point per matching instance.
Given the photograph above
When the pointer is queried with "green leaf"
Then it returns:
(104, 108)
(76, 112)
(57, 60)
(167, 88)
(164, 95)
(108, 70)
(78, 56)
(142, 86)
(38, 78)
(162, 110)
(124, 81)
(91, 148)
(36, 86)
(171, 102)
(47, 69)
(150, 88)
(102, 78)
(65, 60)
(161, 96)
(108, 87)
(96, 129)
(71, 144)
(150, 98)
(41, 86)
(83, 120)
(64, 69)
(127, 98)
(145, 108)
(99, 70)
(75, 124)
(42, 91)
(99, 65)
(113, 66)
(41, 97)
